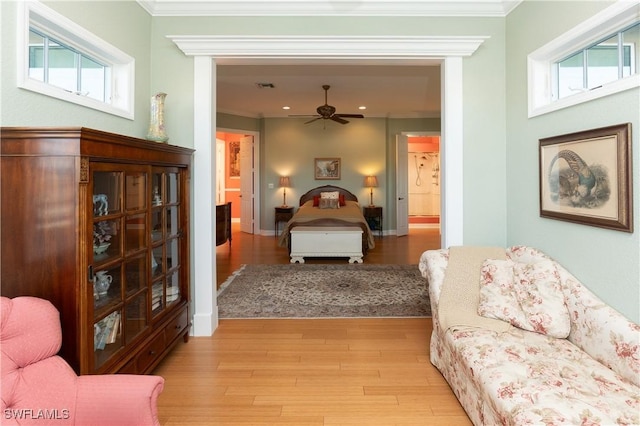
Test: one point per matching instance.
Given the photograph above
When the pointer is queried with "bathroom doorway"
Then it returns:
(424, 181)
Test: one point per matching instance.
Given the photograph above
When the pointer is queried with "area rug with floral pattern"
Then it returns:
(324, 291)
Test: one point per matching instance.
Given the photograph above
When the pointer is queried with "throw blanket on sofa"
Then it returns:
(461, 289)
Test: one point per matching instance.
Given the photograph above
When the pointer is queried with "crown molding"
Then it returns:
(441, 8)
(298, 49)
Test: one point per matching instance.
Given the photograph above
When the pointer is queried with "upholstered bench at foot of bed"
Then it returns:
(337, 241)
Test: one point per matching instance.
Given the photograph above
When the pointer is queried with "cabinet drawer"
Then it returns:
(176, 326)
(150, 352)
(129, 368)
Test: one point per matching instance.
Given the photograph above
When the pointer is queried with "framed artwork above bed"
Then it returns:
(327, 168)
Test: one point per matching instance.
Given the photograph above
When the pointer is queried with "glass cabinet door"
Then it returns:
(107, 271)
(119, 271)
(165, 239)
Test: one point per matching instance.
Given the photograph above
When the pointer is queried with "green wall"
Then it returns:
(124, 24)
(290, 148)
(606, 261)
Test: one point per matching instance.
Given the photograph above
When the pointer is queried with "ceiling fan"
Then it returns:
(328, 112)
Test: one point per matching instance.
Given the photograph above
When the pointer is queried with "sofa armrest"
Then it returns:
(432, 265)
(601, 331)
(118, 399)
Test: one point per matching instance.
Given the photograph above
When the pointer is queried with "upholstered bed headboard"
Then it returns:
(326, 188)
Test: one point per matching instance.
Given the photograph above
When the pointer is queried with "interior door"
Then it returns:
(247, 195)
(402, 185)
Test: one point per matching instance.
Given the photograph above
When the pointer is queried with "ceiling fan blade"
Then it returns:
(303, 115)
(311, 121)
(338, 119)
(350, 115)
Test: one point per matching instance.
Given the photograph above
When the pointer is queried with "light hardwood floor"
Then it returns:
(309, 371)
(256, 249)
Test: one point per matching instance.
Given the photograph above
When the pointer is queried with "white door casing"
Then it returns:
(203, 276)
(402, 185)
(209, 49)
(247, 177)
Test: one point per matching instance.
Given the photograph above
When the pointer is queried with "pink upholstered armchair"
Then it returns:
(40, 388)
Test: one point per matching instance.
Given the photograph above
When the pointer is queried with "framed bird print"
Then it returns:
(585, 177)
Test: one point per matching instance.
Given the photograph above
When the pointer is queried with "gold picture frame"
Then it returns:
(585, 177)
(327, 168)
(234, 159)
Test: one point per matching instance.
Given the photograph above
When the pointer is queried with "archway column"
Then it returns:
(452, 197)
(203, 283)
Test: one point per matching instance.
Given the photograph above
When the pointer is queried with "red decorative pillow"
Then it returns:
(341, 200)
(316, 201)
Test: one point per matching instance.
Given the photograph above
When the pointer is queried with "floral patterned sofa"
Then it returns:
(571, 360)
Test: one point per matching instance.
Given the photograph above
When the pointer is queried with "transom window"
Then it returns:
(608, 60)
(58, 58)
(597, 58)
(55, 63)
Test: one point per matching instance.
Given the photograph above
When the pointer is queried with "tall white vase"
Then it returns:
(157, 131)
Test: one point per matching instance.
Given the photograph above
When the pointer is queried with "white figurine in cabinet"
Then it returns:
(157, 200)
(100, 205)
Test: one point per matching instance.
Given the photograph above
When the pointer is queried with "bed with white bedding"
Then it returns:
(314, 212)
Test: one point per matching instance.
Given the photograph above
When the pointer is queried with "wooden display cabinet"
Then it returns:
(98, 224)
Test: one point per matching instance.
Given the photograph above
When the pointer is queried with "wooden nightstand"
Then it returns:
(373, 215)
(283, 214)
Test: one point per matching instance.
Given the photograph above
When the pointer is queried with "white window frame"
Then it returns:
(33, 13)
(541, 62)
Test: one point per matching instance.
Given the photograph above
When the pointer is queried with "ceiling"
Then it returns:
(394, 91)
(385, 90)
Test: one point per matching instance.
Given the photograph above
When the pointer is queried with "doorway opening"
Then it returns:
(236, 176)
(228, 171)
(424, 187)
(206, 50)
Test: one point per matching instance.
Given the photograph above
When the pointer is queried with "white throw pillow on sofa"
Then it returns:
(527, 295)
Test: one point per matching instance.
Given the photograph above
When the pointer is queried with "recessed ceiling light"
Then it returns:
(286, 107)
(362, 107)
